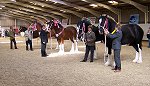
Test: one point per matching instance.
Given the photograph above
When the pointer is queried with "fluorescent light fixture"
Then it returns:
(13, 0)
(62, 11)
(113, 2)
(55, 2)
(83, 0)
(93, 5)
(0, 8)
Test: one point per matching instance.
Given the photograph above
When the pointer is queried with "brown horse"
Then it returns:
(61, 33)
(36, 27)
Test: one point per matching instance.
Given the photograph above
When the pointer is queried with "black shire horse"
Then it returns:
(132, 36)
(82, 28)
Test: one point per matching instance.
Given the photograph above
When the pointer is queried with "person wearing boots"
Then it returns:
(116, 45)
(44, 40)
(28, 38)
(11, 34)
(90, 44)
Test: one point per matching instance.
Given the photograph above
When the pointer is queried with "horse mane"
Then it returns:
(109, 17)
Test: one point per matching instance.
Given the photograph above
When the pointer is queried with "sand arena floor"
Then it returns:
(27, 68)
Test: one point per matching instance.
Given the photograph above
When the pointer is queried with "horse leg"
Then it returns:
(72, 48)
(62, 47)
(95, 54)
(140, 55)
(108, 57)
(136, 47)
(76, 45)
(57, 46)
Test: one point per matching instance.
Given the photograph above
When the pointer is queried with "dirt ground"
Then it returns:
(19, 67)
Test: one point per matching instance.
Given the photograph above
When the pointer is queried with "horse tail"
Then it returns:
(140, 35)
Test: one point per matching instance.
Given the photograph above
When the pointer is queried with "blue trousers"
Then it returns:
(149, 43)
(30, 43)
(43, 49)
(117, 58)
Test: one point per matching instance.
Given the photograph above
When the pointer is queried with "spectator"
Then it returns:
(28, 38)
(11, 34)
(90, 44)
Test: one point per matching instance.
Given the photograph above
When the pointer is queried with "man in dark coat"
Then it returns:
(116, 45)
(90, 44)
(44, 41)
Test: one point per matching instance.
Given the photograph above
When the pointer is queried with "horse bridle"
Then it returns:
(57, 34)
(105, 26)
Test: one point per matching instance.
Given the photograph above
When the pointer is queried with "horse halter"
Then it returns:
(105, 26)
(55, 23)
(33, 26)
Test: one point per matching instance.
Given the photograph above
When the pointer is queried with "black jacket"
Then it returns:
(148, 36)
(43, 36)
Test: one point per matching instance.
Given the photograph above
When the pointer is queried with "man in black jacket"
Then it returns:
(44, 41)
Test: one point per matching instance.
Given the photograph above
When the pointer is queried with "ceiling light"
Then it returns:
(55, 2)
(83, 0)
(42, 5)
(62, 10)
(113, 2)
(13, 0)
(0, 8)
(93, 5)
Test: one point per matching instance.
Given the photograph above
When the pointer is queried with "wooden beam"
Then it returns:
(24, 16)
(140, 7)
(25, 13)
(114, 10)
(55, 7)
(16, 17)
(41, 9)
(29, 10)
(97, 14)
(13, 16)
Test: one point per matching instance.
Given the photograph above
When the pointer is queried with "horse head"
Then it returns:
(22, 29)
(82, 28)
(106, 22)
(55, 27)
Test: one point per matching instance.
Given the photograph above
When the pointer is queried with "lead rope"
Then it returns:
(106, 22)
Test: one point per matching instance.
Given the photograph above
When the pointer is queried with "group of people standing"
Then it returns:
(89, 42)
(28, 39)
(116, 45)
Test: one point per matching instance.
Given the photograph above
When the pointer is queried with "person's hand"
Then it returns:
(88, 40)
(106, 31)
(43, 42)
(57, 35)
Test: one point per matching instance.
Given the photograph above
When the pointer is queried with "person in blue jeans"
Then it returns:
(116, 45)
(148, 36)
